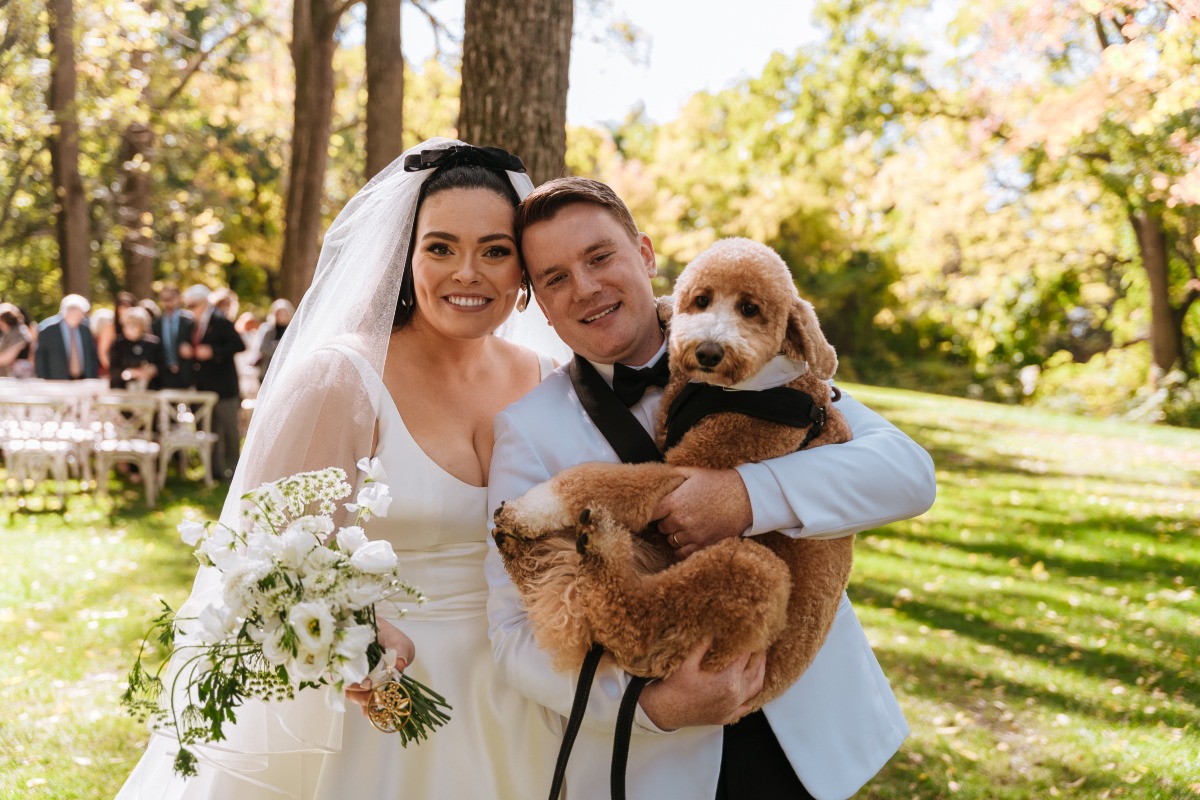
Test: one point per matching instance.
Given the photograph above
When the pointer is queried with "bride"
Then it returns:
(392, 354)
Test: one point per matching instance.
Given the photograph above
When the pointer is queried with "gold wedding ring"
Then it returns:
(389, 707)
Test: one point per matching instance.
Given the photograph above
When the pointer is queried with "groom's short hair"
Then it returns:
(552, 196)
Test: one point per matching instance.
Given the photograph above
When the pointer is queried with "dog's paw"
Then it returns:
(537, 513)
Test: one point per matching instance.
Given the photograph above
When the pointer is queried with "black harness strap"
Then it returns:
(781, 405)
(586, 674)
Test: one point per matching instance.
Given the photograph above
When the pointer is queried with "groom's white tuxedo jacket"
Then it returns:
(838, 724)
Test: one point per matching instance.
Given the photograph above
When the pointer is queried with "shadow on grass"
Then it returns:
(924, 770)
(933, 676)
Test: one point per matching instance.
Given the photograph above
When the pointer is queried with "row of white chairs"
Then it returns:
(52, 429)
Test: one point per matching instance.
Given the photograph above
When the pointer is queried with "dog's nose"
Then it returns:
(709, 354)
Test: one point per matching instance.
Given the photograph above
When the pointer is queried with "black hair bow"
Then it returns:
(458, 155)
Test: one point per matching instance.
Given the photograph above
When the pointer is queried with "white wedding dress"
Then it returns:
(497, 744)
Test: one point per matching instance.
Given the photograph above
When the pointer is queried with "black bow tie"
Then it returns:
(630, 383)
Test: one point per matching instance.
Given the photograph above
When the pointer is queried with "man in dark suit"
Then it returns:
(213, 344)
(66, 350)
(174, 329)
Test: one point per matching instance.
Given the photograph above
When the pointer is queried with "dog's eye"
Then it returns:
(749, 310)
(702, 301)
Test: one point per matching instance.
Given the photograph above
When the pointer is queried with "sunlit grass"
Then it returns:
(77, 592)
(1041, 625)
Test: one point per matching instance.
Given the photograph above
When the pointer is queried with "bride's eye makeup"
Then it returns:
(497, 251)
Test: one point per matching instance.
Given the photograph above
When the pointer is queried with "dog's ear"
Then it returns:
(666, 309)
(805, 341)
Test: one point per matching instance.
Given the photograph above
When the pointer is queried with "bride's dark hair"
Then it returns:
(458, 176)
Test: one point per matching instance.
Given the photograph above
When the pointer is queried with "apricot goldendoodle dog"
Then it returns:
(581, 548)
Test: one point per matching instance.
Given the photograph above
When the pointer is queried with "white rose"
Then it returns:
(191, 532)
(374, 558)
(350, 538)
(361, 592)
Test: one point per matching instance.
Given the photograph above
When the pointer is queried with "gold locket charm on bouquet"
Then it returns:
(390, 706)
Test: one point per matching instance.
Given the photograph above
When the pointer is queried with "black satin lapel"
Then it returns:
(616, 422)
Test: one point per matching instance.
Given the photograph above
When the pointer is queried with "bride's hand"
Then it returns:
(391, 638)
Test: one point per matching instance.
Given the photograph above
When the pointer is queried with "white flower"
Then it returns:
(361, 591)
(272, 646)
(335, 699)
(313, 625)
(322, 561)
(262, 544)
(191, 532)
(219, 548)
(351, 653)
(373, 468)
(350, 538)
(296, 543)
(308, 665)
(218, 625)
(372, 501)
(374, 558)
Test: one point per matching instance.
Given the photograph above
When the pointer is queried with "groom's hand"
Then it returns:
(710, 505)
(693, 697)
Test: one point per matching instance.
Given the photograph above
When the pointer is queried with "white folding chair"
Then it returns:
(125, 423)
(184, 426)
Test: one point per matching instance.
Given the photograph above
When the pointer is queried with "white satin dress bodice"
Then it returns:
(497, 744)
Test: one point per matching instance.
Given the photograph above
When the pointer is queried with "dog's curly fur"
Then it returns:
(580, 547)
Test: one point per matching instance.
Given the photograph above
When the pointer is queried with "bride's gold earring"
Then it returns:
(526, 291)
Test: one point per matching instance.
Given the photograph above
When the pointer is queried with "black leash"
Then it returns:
(620, 755)
(587, 674)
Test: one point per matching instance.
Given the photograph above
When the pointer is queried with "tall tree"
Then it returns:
(1107, 91)
(71, 205)
(385, 85)
(516, 58)
(314, 29)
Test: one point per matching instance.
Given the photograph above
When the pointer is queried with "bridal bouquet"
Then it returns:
(297, 611)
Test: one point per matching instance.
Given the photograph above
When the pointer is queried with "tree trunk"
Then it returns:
(314, 23)
(1166, 334)
(74, 246)
(516, 58)
(385, 85)
(137, 245)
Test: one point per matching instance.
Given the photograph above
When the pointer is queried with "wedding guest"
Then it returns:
(15, 342)
(213, 346)
(136, 359)
(66, 349)
(273, 329)
(109, 334)
(174, 331)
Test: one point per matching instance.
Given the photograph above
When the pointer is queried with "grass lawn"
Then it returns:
(1040, 625)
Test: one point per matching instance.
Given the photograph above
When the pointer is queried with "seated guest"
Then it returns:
(66, 350)
(136, 359)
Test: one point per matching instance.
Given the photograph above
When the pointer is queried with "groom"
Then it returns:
(839, 723)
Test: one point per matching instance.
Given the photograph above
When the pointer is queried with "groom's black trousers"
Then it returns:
(753, 765)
